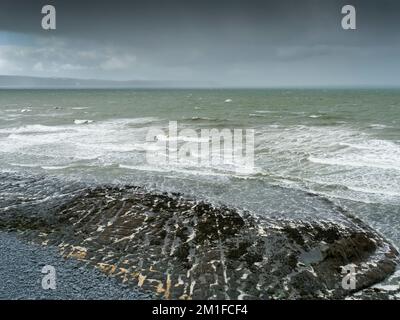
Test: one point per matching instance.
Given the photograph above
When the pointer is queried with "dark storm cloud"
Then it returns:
(234, 42)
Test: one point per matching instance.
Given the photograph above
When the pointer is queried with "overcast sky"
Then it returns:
(229, 42)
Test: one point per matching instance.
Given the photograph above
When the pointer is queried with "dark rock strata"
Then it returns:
(184, 249)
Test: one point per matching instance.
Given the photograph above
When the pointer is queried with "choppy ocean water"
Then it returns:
(343, 146)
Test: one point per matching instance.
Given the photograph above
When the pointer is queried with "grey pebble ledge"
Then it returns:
(21, 264)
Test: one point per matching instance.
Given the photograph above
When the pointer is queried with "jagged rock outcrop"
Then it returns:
(184, 249)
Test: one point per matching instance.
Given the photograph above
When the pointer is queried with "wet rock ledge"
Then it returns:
(184, 249)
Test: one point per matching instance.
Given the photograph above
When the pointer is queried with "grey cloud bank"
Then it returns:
(229, 43)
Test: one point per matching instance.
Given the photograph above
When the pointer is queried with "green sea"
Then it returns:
(343, 146)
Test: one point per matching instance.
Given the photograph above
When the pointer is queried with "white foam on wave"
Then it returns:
(144, 168)
(378, 126)
(257, 115)
(56, 167)
(354, 145)
(344, 160)
(34, 128)
(96, 140)
(264, 111)
(176, 169)
(356, 163)
(77, 121)
(377, 191)
(371, 153)
(27, 165)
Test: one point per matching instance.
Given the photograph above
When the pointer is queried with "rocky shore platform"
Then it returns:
(179, 248)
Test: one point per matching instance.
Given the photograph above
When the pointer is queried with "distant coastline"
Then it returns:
(29, 82)
(32, 82)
